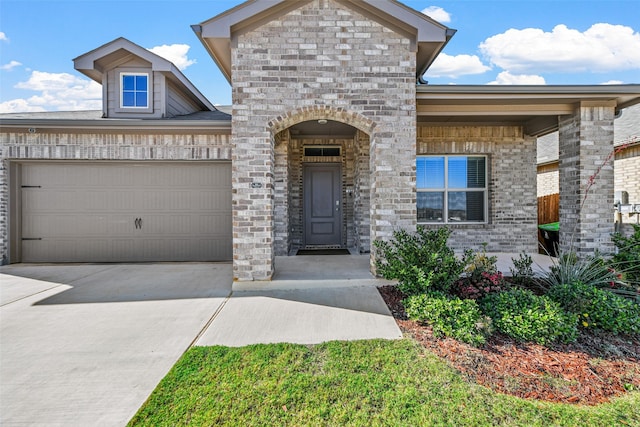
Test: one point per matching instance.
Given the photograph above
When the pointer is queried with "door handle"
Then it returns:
(337, 205)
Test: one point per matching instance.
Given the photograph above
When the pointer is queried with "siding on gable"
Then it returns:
(178, 104)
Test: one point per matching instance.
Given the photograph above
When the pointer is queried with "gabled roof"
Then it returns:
(95, 63)
(427, 35)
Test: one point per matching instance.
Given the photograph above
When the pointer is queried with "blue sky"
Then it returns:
(498, 42)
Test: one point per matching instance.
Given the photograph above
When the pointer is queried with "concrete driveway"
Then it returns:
(86, 344)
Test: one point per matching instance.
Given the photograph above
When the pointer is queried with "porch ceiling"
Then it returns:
(535, 107)
(331, 129)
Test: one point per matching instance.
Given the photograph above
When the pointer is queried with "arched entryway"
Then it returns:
(322, 182)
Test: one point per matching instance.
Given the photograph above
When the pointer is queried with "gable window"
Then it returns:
(451, 189)
(134, 90)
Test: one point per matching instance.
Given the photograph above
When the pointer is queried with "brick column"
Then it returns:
(393, 179)
(586, 178)
(253, 195)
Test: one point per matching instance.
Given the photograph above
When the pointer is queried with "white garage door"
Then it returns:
(126, 212)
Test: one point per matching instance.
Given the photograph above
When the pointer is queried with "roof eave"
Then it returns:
(114, 124)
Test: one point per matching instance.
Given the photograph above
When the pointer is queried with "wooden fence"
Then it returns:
(548, 208)
(548, 211)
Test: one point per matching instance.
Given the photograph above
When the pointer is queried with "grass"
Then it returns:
(370, 383)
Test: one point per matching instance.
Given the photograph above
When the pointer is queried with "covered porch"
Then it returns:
(343, 271)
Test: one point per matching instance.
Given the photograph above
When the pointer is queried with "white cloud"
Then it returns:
(57, 91)
(176, 53)
(455, 66)
(19, 106)
(506, 78)
(3, 37)
(437, 13)
(601, 48)
(11, 65)
(613, 82)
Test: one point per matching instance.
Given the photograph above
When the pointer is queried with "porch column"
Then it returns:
(253, 195)
(586, 178)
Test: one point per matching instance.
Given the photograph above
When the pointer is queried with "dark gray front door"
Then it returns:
(322, 204)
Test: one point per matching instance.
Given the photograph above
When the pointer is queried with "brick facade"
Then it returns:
(586, 140)
(548, 179)
(100, 146)
(321, 61)
(512, 222)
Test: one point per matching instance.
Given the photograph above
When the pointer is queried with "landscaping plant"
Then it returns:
(481, 277)
(420, 261)
(522, 271)
(569, 268)
(627, 260)
(598, 308)
(450, 316)
(525, 316)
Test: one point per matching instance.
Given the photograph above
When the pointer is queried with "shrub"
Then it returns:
(528, 317)
(598, 308)
(421, 261)
(522, 272)
(477, 288)
(481, 263)
(452, 317)
(482, 277)
(627, 260)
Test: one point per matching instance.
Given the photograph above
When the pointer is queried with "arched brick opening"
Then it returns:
(317, 112)
(292, 165)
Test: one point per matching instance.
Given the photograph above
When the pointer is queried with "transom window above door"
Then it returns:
(451, 189)
(316, 151)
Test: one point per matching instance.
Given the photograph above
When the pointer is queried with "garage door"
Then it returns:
(126, 212)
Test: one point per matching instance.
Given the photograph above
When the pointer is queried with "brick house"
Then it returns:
(333, 140)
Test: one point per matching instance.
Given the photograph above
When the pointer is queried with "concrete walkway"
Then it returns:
(311, 299)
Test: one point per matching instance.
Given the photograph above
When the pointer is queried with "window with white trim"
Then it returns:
(451, 189)
(134, 90)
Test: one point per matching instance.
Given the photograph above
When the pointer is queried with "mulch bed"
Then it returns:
(592, 370)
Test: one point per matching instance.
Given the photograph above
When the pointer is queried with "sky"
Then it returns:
(497, 42)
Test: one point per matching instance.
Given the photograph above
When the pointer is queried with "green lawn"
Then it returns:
(363, 383)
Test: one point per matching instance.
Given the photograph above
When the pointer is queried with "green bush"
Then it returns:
(452, 317)
(627, 260)
(598, 308)
(527, 317)
(421, 261)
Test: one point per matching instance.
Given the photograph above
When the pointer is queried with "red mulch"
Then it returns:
(590, 371)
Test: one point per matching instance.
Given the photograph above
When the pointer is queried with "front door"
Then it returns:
(322, 195)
